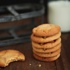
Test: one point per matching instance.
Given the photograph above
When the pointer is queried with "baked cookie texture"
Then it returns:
(8, 56)
(46, 30)
(45, 39)
(46, 42)
(46, 45)
(51, 54)
(46, 58)
(44, 50)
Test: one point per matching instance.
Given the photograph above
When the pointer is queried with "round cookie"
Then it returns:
(45, 39)
(47, 50)
(46, 30)
(46, 45)
(51, 54)
(47, 58)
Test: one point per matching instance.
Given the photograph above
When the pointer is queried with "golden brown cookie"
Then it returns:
(46, 30)
(45, 39)
(47, 58)
(8, 56)
(46, 45)
(51, 54)
(47, 50)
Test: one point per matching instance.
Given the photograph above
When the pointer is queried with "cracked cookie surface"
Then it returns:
(46, 30)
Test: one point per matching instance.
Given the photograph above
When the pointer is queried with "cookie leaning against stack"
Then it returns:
(46, 42)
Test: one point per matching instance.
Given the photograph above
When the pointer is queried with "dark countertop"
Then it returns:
(63, 63)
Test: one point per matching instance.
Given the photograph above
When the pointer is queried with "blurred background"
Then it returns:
(12, 2)
(18, 18)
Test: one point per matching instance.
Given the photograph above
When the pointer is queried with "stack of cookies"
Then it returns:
(46, 42)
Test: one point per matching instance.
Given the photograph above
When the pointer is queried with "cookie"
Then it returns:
(51, 54)
(46, 30)
(47, 50)
(45, 39)
(47, 58)
(8, 56)
(46, 45)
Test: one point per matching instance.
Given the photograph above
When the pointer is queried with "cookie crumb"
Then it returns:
(30, 64)
(39, 65)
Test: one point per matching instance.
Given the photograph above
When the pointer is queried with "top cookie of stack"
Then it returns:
(46, 30)
(45, 33)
